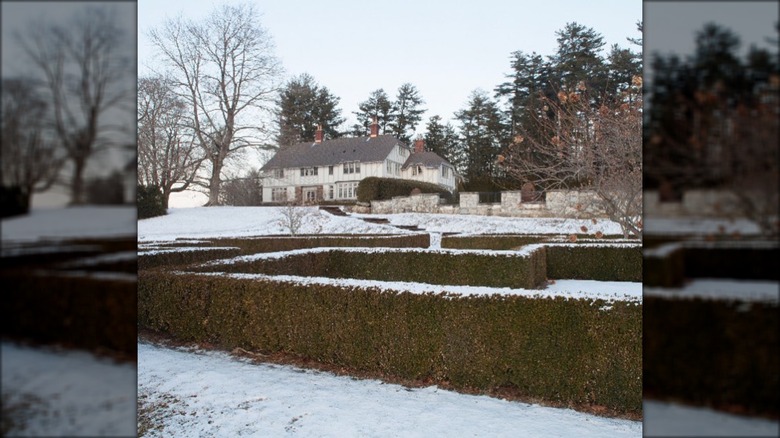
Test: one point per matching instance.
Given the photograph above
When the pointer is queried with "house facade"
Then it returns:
(330, 170)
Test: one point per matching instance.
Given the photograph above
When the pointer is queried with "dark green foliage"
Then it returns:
(500, 270)
(407, 112)
(13, 201)
(491, 242)
(564, 351)
(377, 106)
(109, 190)
(77, 311)
(150, 202)
(253, 245)
(712, 260)
(303, 105)
(484, 133)
(604, 263)
(718, 353)
(443, 141)
(379, 189)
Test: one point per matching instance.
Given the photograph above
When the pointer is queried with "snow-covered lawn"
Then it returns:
(70, 222)
(205, 393)
(205, 222)
(673, 419)
(47, 392)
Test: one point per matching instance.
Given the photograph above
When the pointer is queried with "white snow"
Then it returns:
(211, 222)
(61, 223)
(722, 289)
(214, 394)
(674, 419)
(699, 226)
(73, 393)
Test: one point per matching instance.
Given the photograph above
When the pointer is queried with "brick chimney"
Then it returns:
(318, 134)
(374, 128)
(419, 146)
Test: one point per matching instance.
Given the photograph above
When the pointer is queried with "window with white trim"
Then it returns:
(279, 194)
(352, 167)
(347, 190)
(417, 170)
(278, 173)
(445, 171)
(308, 171)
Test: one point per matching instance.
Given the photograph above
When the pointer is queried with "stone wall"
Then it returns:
(695, 203)
(559, 204)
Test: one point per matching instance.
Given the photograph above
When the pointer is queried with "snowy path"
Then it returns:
(214, 394)
(67, 393)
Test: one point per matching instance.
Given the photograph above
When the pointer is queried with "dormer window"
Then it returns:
(417, 170)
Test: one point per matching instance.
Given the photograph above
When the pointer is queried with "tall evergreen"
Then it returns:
(443, 140)
(302, 106)
(529, 80)
(407, 112)
(484, 134)
(578, 58)
(377, 106)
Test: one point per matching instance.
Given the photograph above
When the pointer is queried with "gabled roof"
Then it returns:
(426, 158)
(334, 152)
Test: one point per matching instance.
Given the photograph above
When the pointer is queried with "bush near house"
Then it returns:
(150, 202)
(565, 351)
(13, 201)
(381, 189)
(595, 262)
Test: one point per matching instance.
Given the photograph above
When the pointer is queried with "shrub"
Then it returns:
(595, 262)
(150, 202)
(13, 201)
(380, 189)
(106, 191)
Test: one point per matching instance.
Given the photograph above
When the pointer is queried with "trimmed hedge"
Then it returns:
(495, 270)
(253, 245)
(564, 351)
(80, 311)
(594, 262)
(713, 352)
(503, 242)
(379, 189)
(743, 260)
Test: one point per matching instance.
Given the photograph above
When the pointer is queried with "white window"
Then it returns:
(279, 194)
(308, 171)
(352, 167)
(393, 168)
(445, 171)
(416, 170)
(278, 173)
(330, 191)
(348, 190)
(330, 170)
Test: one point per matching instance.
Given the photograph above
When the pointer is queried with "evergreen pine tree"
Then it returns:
(443, 141)
(377, 106)
(406, 112)
(302, 106)
(483, 134)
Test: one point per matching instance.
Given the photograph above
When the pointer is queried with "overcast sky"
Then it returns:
(670, 27)
(446, 49)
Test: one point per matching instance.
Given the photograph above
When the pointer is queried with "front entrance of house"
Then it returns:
(310, 195)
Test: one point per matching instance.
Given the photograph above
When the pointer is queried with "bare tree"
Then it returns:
(167, 153)
(574, 145)
(83, 67)
(224, 68)
(31, 160)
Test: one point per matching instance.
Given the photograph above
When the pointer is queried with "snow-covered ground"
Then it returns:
(664, 419)
(206, 222)
(67, 393)
(199, 393)
(60, 223)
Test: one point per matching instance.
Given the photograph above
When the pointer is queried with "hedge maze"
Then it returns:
(566, 351)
